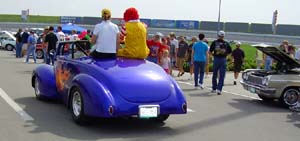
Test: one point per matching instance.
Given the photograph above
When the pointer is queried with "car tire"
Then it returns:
(9, 47)
(39, 54)
(37, 92)
(77, 107)
(290, 97)
(265, 98)
(160, 118)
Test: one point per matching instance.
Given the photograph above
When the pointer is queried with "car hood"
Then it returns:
(278, 55)
(138, 81)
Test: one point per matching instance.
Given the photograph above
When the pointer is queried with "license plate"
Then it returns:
(148, 111)
(252, 90)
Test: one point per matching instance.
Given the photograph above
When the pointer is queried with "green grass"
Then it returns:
(31, 18)
(250, 52)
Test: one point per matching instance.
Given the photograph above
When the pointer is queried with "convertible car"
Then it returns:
(283, 83)
(107, 88)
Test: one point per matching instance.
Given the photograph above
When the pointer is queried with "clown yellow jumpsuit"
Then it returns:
(135, 41)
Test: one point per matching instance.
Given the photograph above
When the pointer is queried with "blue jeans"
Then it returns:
(45, 54)
(19, 50)
(50, 57)
(199, 66)
(268, 64)
(31, 50)
(219, 67)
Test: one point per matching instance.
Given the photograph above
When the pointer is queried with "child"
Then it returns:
(165, 61)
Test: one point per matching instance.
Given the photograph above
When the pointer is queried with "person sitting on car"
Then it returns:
(134, 33)
(105, 37)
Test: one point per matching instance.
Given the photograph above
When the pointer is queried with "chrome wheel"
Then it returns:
(39, 54)
(36, 88)
(76, 103)
(290, 97)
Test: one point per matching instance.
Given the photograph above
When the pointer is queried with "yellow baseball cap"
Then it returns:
(106, 11)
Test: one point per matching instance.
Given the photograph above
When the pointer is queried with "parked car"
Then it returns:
(107, 88)
(282, 83)
(8, 41)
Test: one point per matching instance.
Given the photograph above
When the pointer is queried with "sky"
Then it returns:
(249, 11)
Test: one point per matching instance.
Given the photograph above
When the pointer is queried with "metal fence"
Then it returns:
(243, 37)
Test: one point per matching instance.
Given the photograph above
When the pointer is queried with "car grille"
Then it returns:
(255, 80)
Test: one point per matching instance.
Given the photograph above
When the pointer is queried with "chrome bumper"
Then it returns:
(260, 90)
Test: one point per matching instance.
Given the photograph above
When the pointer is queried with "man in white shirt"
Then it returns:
(173, 47)
(74, 36)
(106, 37)
(59, 34)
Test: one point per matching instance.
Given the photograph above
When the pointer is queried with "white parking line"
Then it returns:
(187, 83)
(15, 106)
(190, 110)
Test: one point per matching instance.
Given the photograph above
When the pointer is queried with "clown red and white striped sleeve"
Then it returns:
(123, 33)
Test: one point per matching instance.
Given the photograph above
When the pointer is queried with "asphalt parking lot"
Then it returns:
(235, 115)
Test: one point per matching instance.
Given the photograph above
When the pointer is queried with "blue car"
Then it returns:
(107, 88)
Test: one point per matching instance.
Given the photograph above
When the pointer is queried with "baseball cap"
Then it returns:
(221, 33)
(238, 43)
(106, 11)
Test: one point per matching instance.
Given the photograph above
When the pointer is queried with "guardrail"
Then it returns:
(243, 37)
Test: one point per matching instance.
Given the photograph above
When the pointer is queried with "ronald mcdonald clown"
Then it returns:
(134, 33)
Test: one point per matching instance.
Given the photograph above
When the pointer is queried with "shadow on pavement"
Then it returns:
(54, 118)
(294, 118)
(246, 108)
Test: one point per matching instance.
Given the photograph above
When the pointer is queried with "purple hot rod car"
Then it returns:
(107, 88)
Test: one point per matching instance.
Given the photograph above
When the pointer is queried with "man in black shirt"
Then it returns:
(18, 43)
(219, 49)
(50, 41)
(238, 59)
(25, 36)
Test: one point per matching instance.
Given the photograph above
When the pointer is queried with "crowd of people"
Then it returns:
(168, 51)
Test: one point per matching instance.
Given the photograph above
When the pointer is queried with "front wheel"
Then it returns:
(77, 108)
(290, 97)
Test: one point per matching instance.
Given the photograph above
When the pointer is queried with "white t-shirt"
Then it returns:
(73, 37)
(173, 47)
(174, 42)
(60, 36)
(106, 33)
(165, 62)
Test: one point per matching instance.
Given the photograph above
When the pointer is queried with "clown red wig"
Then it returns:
(131, 14)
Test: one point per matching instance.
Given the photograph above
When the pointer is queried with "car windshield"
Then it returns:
(73, 49)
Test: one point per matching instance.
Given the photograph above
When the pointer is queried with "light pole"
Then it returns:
(219, 25)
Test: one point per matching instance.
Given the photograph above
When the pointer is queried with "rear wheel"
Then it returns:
(77, 108)
(290, 97)
(39, 54)
(37, 91)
